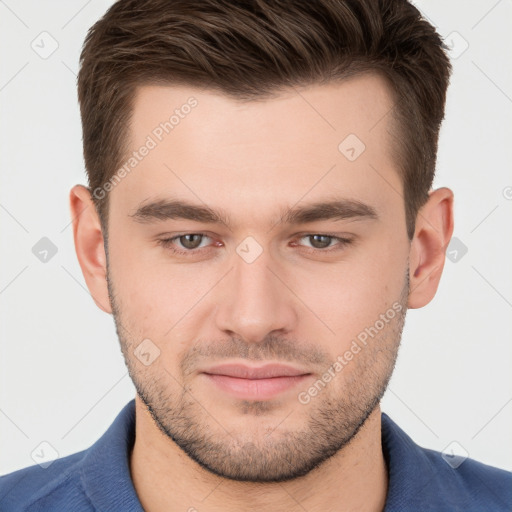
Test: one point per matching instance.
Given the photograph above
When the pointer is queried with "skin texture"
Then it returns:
(196, 445)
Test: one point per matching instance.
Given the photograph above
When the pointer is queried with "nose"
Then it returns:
(255, 300)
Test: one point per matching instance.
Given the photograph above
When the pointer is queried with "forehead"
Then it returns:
(317, 112)
(305, 141)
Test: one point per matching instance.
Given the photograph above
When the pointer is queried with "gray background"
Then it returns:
(62, 376)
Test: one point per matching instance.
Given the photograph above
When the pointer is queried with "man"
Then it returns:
(259, 218)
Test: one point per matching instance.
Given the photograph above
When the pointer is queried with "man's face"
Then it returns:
(259, 287)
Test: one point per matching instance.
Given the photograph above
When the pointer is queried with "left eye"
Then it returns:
(321, 241)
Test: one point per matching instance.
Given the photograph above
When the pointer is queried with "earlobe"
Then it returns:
(89, 245)
(434, 228)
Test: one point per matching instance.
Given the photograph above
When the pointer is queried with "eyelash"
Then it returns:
(167, 243)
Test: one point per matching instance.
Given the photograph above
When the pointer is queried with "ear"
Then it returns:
(89, 245)
(434, 228)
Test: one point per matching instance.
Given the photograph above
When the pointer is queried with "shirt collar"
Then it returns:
(105, 472)
(410, 471)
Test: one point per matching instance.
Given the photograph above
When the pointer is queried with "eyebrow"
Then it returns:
(175, 209)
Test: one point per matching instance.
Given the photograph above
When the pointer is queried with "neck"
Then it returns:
(165, 478)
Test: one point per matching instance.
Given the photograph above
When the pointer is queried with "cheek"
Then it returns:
(350, 296)
(157, 298)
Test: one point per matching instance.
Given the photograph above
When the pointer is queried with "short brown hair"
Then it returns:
(251, 49)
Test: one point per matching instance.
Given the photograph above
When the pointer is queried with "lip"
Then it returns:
(267, 371)
(255, 383)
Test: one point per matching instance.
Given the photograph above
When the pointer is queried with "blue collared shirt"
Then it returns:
(98, 478)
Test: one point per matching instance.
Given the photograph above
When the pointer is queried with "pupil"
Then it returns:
(189, 244)
(318, 243)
